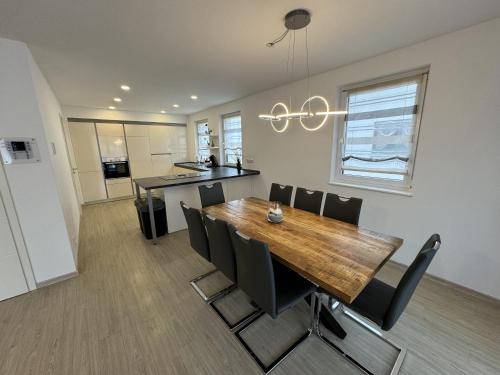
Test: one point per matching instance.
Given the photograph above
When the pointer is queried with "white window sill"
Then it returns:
(373, 188)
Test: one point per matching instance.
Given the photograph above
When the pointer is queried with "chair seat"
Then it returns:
(290, 287)
(373, 302)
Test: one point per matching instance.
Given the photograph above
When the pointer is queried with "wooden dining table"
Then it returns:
(339, 257)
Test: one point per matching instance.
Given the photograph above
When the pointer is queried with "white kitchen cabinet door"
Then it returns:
(178, 157)
(138, 149)
(167, 138)
(136, 130)
(120, 187)
(84, 141)
(92, 185)
(112, 146)
(178, 136)
(162, 165)
(139, 155)
(159, 138)
(111, 140)
(12, 281)
(110, 130)
(141, 169)
(88, 162)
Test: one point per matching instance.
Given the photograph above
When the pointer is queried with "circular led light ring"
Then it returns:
(324, 119)
(283, 105)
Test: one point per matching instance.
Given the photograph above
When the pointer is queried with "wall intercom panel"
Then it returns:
(19, 150)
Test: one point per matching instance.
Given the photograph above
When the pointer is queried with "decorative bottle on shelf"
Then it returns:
(238, 164)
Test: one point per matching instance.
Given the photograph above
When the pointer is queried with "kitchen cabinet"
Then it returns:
(92, 186)
(88, 162)
(111, 140)
(162, 165)
(167, 139)
(138, 149)
(178, 136)
(139, 152)
(119, 187)
(136, 130)
(159, 139)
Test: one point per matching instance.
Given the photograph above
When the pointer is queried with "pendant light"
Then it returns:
(281, 114)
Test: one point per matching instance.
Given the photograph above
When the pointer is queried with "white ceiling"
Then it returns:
(168, 50)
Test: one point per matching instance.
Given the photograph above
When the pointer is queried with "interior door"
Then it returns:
(12, 280)
(85, 148)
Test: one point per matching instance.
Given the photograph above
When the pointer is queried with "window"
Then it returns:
(202, 137)
(377, 140)
(231, 126)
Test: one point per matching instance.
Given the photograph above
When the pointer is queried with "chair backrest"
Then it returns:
(308, 200)
(255, 271)
(197, 234)
(346, 210)
(221, 247)
(211, 194)
(281, 193)
(410, 280)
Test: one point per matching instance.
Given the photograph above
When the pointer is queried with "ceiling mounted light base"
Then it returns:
(297, 19)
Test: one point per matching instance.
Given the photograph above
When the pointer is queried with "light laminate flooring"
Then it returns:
(132, 311)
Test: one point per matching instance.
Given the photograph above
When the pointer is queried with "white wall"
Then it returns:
(457, 171)
(53, 123)
(37, 197)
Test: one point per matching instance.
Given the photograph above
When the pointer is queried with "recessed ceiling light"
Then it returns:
(163, 112)
(111, 107)
(125, 87)
(194, 97)
(118, 100)
(176, 106)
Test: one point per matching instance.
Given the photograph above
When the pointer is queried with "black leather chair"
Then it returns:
(272, 286)
(383, 304)
(308, 200)
(222, 257)
(199, 242)
(281, 193)
(343, 209)
(211, 194)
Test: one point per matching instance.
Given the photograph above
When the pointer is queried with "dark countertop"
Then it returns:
(201, 175)
(193, 166)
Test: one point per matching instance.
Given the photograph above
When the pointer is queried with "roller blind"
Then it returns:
(203, 139)
(231, 125)
(380, 128)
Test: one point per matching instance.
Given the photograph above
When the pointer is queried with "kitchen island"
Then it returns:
(184, 186)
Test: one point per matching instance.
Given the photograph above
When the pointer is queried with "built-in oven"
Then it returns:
(116, 169)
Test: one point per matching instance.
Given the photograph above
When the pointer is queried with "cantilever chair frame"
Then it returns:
(238, 333)
(218, 296)
(194, 281)
(357, 319)
(363, 323)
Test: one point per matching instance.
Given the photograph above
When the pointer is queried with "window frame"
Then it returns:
(198, 148)
(223, 140)
(371, 183)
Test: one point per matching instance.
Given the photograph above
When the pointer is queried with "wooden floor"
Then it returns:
(131, 311)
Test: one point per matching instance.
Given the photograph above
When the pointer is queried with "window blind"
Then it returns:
(232, 137)
(203, 139)
(379, 131)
